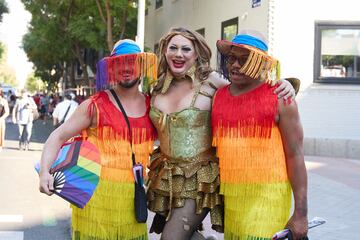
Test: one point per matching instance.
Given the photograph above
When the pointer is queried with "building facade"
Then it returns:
(212, 18)
(315, 41)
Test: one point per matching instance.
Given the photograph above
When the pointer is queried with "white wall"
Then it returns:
(294, 26)
(208, 14)
(289, 25)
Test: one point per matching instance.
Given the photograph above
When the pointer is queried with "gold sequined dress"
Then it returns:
(186, 166)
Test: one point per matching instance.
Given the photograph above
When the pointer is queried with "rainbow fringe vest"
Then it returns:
(253, 172)
(110, 212)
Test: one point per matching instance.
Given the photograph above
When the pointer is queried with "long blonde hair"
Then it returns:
(202, 50)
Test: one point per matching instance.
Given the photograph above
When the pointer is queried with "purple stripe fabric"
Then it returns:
(74, 195)
(101, 75)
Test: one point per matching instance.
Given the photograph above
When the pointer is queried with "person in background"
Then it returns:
(11, 98)
(52, 104)
(259, 142)
(22, 115)
(44, 106)
(64, 109)
(37, 101)
(4, 113)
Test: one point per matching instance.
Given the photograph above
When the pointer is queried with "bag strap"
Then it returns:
(66, 113)
(127, 122)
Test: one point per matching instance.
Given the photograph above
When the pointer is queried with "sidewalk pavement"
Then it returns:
(333, 194)
(334, 189)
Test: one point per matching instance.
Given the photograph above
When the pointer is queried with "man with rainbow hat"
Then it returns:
(110, 213)
(259, 140)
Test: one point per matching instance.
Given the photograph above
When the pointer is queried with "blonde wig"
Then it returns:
(202, 65)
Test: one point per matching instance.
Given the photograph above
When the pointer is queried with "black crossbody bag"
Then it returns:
(141, 212)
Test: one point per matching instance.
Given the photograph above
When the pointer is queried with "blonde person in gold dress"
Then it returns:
(184, 179)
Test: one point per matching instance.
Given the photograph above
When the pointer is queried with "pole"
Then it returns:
(141, 24)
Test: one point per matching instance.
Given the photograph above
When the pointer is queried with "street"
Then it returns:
(334, 194)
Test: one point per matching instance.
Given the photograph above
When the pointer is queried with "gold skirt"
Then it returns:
(172, 180)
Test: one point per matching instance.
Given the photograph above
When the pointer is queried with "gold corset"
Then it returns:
(186, 167)
(183, 134)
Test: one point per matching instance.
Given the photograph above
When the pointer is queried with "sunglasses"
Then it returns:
(241, 60)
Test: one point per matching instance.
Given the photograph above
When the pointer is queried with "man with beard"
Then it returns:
(110, 213)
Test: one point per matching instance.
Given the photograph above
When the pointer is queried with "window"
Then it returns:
(158, 4)
(201, 31)
(337, 52)
(229, 29)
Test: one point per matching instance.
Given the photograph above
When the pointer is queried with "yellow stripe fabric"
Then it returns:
(89, 165)
(255, 209)
(110, 213)
(254, 182)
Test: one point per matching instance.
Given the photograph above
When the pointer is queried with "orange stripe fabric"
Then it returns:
(251, 160)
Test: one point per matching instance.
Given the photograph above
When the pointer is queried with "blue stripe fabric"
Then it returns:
(250, 41)
(62, 156)
(84, 182)
(125, 48)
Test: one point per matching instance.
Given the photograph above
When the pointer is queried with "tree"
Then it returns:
(46, 44)
(65, 31)
(116, 16)
(3, 9)
(34, 84)
(7, 74)
(2, 49)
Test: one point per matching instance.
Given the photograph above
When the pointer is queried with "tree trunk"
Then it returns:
(109, 24)
(83, 65)
(123, 22)
(71, 81)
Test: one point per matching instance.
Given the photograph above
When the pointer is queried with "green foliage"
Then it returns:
(3, 9)
(341, 60)
(61, 30)
(7, 74)
(2, 49)
(34, 84)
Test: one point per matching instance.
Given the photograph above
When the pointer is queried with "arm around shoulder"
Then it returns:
(218, 80)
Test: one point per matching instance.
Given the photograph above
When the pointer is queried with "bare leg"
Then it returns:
(183, 223)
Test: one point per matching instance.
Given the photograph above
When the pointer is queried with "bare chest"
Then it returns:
(178, 100)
